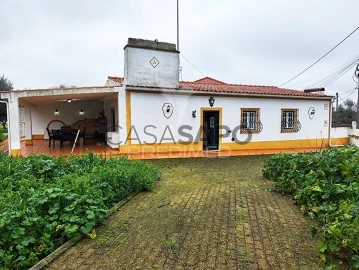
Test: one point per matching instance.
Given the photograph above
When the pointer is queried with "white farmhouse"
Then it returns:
(150, 111)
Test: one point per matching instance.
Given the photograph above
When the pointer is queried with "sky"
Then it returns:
(45, 43)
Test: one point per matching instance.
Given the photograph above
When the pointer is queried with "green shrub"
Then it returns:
(2, 137)
(44, 201)
(326, 186)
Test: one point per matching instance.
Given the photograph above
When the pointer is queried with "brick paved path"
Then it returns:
(205, 214)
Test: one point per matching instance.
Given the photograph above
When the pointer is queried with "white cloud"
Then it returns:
(46, 43)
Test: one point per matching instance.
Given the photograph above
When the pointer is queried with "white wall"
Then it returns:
(354, 135)
(146, 109)
(42, 114)
(139, 71)
(355, 140)
(339, 132)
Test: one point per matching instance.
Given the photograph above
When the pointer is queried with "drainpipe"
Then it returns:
(330, 123)
(8, 123)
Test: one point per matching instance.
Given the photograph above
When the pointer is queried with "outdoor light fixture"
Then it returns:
(69, 100)
(211, 101)
(81, 112)
(194, 114)
(56, 112)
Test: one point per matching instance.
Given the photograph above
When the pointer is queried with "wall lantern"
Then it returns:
(211, 101)
(56, 112)
(194, 114)
(81, 112)
(69, 100)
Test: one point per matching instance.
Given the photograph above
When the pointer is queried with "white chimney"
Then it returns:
(151, 64)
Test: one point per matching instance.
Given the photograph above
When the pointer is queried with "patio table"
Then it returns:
(64, 135)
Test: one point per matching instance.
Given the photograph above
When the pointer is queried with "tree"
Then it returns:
(345, 114)
(5, 85)
(64, 86)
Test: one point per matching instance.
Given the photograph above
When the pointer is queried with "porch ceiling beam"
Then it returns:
(59, 92)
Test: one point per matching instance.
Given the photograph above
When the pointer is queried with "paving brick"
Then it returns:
(204, 214)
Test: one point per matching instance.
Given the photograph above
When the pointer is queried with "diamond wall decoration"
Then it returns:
(154, 62)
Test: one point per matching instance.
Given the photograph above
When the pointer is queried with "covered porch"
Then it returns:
(38, 112)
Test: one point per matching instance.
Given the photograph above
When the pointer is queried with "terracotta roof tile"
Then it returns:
(211, 85)
(115, 79)
(208, 80)
(208, 84)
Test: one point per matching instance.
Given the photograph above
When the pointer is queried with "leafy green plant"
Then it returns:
(44, 201)
(3, 133)
(326, 186)
(2, 137)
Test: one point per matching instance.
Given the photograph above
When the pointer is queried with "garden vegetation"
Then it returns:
(3, 133)
(326, 187)
(44, 200)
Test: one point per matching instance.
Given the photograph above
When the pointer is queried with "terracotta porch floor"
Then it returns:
(41, 147)
(4, 146)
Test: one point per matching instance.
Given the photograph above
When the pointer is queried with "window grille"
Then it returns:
(250, 120)
(290, 121)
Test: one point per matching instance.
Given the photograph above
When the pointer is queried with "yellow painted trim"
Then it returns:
(38, 136)
(162, 148)
(285, 144)
(261, 147)
(15, 152)
(124, 149)
(340, 141)
(220, 124)
(28, 142)
(330, 118)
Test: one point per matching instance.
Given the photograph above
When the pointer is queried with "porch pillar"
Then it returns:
(123, 111)
(14, 128)
(28, 125)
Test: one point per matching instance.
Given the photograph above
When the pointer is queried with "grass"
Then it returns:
(215, 213)
(2, 133)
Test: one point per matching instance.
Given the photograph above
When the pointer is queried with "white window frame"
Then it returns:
(249, 120)
(288, 120)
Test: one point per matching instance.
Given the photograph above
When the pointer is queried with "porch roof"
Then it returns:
(52, 94)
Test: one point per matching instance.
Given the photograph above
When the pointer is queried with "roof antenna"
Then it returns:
(177, 27)
(179, 68)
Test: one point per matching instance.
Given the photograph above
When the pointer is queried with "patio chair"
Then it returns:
(67, 135)
(51, 135)
(56, 136)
